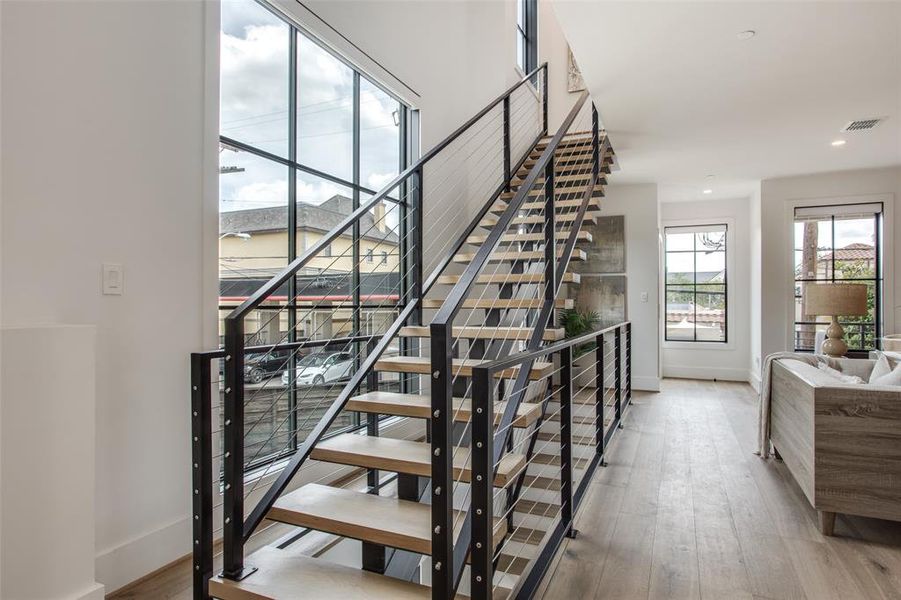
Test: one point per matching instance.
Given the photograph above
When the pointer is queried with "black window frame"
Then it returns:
(527, 35)
(877, 280)
(697, 228)
(406, 149)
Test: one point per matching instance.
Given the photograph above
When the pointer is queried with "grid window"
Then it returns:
(304, 139)
(840, 243)
(527, 35)
(696, 293)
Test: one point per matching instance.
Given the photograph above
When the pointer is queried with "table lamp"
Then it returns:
(835, 300)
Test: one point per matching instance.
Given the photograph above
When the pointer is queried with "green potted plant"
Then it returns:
(576, 323)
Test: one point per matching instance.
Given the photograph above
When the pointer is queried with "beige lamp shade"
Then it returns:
(835, 299)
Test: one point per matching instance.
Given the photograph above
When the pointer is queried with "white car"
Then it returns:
(321, 368)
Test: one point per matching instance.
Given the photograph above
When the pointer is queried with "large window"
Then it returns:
(840, 243)
(527, 35)
(304, 139)
(696, 293)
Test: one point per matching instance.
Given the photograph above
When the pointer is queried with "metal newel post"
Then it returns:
(442, 470)
(416, 235)
(617, 377)
(233, 457)
(482, 485)
(566, 472)
(372, 419)
(202, 474)
(600, 394)
(629, 362)
(507, 173)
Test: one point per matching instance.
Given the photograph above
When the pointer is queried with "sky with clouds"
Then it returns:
(254, 110)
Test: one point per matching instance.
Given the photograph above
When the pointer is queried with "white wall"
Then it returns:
(756, 235)
(778, 199)
(729, 361)
(109, 155)
(638, 203)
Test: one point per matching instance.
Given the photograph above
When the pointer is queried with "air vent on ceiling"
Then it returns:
(862, 124)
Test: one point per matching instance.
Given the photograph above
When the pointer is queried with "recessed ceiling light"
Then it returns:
(838, 143)
(707, 192)
(746, 35)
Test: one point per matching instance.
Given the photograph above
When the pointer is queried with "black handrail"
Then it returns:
(448, 554)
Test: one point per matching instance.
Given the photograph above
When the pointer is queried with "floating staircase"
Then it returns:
(510, 298)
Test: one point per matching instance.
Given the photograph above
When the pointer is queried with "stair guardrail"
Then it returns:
(449, 549)
(571, 493)
(236, 527)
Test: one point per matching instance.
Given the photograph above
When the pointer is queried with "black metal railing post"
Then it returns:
(202, 473)
(629, 362)
(442, 468)
(617, 373)
(550, 241)
(507, 143)
(233, 455)
(566, 429)
(372, 420)
(416, 203)
(482, 485)
(544, 105)
(600, 397)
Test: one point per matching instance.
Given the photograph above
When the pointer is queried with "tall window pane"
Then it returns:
(379, 136)
(253, 104)
(838, 243)
(325, 111)
(696, 283)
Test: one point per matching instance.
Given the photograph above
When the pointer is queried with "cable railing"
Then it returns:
(251, 443)
(532, 291)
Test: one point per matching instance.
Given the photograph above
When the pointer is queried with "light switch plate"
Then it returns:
(644, 296)
(113, 279)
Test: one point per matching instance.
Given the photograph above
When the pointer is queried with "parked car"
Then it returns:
(258, 367)
(321, 368)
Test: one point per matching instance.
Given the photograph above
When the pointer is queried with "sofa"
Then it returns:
(840, 441)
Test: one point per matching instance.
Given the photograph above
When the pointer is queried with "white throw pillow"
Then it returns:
(893, 377)
(881, 368)
(839, 375)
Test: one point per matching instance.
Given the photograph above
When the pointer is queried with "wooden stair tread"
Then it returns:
(512, 278)
(420, 406)
(540, 482)
(385, 521)
(527, 535)
(487, 332)
(563, 234)
(513, 565)
(598, 191)
(460, 366)
(531, 255)
(525, 506)
(403, 456)
(567, 217)
(282, 576)
(581, 440)
(501, 303)
(501, 205)
(553, 459)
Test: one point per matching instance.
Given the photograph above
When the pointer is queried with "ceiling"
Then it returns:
(684, 98)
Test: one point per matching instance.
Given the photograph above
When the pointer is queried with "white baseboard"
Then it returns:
(646, 384)
(693, 372)
(95, 592)
(754, 379)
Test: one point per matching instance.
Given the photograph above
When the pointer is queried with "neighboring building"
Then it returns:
(252, 250)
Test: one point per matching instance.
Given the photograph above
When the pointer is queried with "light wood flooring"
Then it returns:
(686, 510)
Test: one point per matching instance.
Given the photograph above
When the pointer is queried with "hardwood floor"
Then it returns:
(686, 510)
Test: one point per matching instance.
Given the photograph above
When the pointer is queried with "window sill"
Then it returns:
(672, 345)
